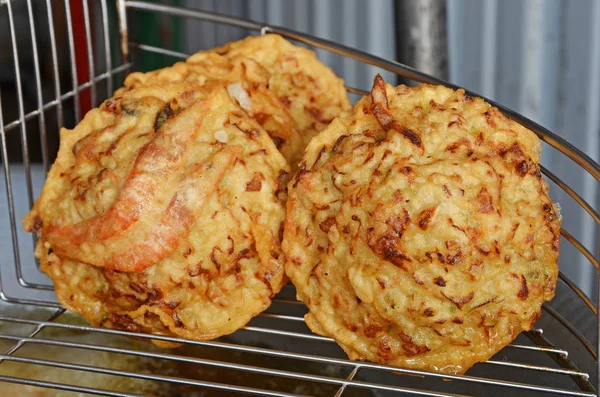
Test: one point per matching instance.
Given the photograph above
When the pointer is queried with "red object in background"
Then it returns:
(81, 60)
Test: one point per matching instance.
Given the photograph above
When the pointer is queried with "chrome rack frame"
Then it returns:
(284, 327)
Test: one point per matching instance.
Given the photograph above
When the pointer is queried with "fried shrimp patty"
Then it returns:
(419, 231)
(163, 213)
(284, 87)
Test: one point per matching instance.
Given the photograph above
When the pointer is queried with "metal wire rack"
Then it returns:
(46, 348)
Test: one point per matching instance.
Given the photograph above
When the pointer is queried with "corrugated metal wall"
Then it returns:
(539, 57)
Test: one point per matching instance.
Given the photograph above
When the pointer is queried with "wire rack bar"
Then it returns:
(56, 78)
(584, 204)
(138, 375)
(350, 377)
(561, 359)
(540, 368)
(38, 87)
(298, 356)
(122, 15)
(357, 91)
(281, 317)
(560, 352)
(37, 330)
(11, 207)
(90, 53)
(65, 387)
(573, 330)
(158, 50)
(27, 284)
(69, 94)
(213, 363)
(589, 256)
(9, 190)
(107, 54)
(24, 139)
(297, 335)
(32, 302)
(579, 293)
(196, 14)
(18, 83)
(72, 60)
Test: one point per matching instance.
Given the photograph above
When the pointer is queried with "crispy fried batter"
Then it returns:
(290, 92)
(419, 231)
(146, 222)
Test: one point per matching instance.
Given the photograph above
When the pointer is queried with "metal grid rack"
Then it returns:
(43, 346)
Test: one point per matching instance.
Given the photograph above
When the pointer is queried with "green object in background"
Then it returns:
(155, 30)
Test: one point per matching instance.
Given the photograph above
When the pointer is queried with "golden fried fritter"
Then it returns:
(163, 213)
(311, 90)
(419, 231)
(284, 87)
